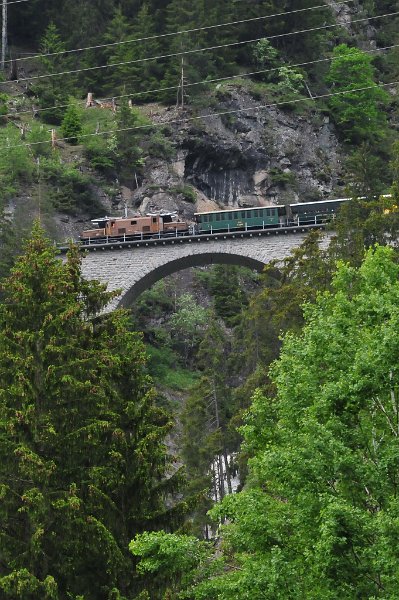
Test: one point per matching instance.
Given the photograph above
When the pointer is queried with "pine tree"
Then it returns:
(145, 75)
(119, 30)
(71, 125)
(126, 144)
(82, 460)
(9, 244)
(51, 91)
(190, 68)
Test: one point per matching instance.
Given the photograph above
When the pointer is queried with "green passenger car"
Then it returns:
(237, 219)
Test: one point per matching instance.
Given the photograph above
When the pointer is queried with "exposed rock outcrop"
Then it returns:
(249, 157)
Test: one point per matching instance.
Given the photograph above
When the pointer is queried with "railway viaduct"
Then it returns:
(135, 266)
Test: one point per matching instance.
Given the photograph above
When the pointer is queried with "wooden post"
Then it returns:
(14, 70)
(89, 100)
(182, 82)
(4, 34)
(308, 89)
(53, 139)
(23, 129)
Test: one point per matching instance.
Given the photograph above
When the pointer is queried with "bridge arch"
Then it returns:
(185, 262)
(134, 267)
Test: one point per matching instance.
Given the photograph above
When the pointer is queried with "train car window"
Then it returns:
(146, 228)
(133, 222)
(122, 230)
(235, 216)
(112, 223)
(218, 217)
(205, 218)
(154, 219)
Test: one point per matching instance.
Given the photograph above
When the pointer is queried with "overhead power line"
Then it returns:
(203, 82)
(183, 31)
(204, 117)
(196, 50)
(16, 2)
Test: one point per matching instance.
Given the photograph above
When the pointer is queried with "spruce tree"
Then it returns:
(51, 90)
(71, 125)
(127, 151)
(144, 76)
(184, 15)
(119, 30)
(82, 461)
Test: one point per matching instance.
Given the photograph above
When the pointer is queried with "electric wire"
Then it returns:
(203, 82)
(203, 117)
(193, 51)
(15, 2)
(183, 31)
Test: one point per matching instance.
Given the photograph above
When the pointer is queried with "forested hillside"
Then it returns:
(231, 435)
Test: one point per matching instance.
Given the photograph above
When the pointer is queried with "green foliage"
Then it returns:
(4, 99)
(82, 455)
(99, 149)
(359, 115)
(71, 125)
(169, 558)
(318, 517)
(125, 144)
(160, 146)
(208, 440)
(50, 91)
(278, 305)
(186, 191)
(10, 242)
(229, 298)
(39, 138)
(280, 177)
(362, 224)
(265, 55)
(187, 324)
(165, 368)
(290, 81)
(368, 173)
(70, 190)
(16, 165)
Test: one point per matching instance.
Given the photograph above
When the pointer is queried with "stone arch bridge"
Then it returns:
(135, 266)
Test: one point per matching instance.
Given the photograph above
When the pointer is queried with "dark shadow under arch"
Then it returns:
(193, 260)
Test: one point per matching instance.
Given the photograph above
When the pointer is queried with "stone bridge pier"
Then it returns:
(133, 267)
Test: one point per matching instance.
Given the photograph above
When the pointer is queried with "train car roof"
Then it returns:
(115, 218)
(162, 213)
(320, 202)
(225, 210)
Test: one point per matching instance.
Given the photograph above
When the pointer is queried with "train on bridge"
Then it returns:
(167, 224)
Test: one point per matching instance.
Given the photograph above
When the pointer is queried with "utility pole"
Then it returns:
(180, 87)
(182, 82)
(4, 34)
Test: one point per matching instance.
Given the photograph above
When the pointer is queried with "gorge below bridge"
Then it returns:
(135, 266)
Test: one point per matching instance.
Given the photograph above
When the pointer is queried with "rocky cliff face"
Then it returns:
(250, 157)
